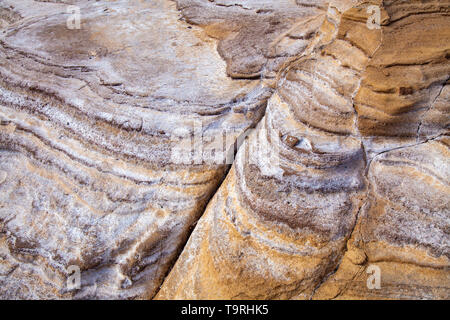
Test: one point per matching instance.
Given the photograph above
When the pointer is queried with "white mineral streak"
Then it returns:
(115, 138)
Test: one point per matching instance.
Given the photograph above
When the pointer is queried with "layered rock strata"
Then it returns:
(117, 129)
(360, 183)
(89, 121)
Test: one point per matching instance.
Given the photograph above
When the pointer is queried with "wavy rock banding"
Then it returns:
(87, 124)
(361, 178)
(115, 138)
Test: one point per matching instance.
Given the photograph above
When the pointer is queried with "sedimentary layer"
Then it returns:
(90, 119)
(346, 173)
(118, 130)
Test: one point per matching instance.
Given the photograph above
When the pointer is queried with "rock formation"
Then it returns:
(346, 170)
(359, 180)
(88, 118)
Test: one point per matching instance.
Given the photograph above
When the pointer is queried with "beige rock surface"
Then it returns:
(360, 125)
(403, 229)
(256, 37)
(88, 118)
(346, 170)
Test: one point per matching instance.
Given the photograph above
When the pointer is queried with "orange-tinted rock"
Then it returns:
(365, 186)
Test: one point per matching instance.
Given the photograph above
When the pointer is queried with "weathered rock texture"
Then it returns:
(87, 121)
(360, 124)
(256, 37)
(347, 168)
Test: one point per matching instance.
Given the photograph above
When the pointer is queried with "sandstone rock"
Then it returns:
(257, 37)
(403, 228)
(360, 126)
(115, 138)
(87, 121)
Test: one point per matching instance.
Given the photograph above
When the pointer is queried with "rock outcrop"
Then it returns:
(360, 181)
(116, 137)
(88, 120)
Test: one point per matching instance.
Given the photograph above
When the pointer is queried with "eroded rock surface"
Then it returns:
(88, 118)
(346, 170)
(257, 37)
(360, 125)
